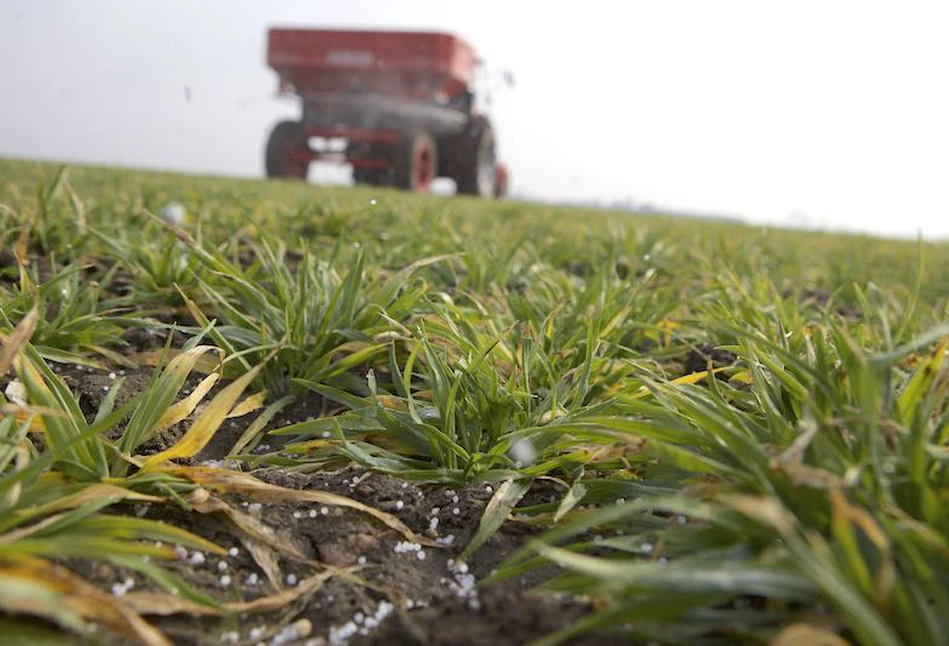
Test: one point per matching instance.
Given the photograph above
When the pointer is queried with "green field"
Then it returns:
(636, 427)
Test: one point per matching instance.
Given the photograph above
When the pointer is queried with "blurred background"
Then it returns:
(830, 115)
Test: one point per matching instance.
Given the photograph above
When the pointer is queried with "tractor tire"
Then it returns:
(476, 163)
(287, 151)
(416, 162)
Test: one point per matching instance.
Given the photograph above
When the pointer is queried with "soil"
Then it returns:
(698, 358)
(434, 600)
(378, 588)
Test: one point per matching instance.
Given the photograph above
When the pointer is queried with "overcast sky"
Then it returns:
(773, 111)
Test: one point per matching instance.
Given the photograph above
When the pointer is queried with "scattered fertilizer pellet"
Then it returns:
(466, 584)
(112, 376)
(361, 560)
(118, 590)
(463, 584)
(221, 566)
(197, 558)
(455, 511)
(420, 555)
(225, 580)
(455, 500)
(253, 579)
(233, 552)
(489, 489)
(173, 213)
(324, 510)
(312, 513)
(230, 637)
(181, 553)
(523, 452)
(405, 546)
(399, 504)
(257, 632)
(254, 507)
(291, 579)
(359, 617)
(342, 634)
(435, 511)
(298, 515)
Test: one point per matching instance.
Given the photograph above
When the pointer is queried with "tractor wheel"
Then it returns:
(416, 162)
(288, 154)
(476, 164)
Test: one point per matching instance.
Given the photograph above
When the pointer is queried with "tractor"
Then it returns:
(399, 107)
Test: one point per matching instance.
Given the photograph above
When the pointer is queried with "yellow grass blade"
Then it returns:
(43, 589)
(230, 481)
(205, 364)
(249, 405)
(152, 603)
(259, 423)
(495, 513)
(14, 342)
(767, 511)
(113, 356)
(180, 410)
(266, 558)
(33, 414)
(689, 379)
(91, 493)
(207, 423)
(284, 542)
(802, 633)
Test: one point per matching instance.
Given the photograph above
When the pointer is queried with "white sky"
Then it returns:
(835, 110)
